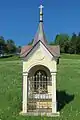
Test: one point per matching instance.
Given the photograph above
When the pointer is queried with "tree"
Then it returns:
(73, 43)
(78, 44)
(18, 49)
(11, 47)
(2, 45)
(63, 41)
(66, 46)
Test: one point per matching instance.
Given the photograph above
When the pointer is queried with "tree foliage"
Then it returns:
(68, 44)
(8, 46)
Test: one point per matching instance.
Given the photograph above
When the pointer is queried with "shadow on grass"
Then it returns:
(63, 98)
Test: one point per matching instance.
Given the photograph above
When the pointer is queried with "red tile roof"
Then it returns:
(55, 50)
(25, 50)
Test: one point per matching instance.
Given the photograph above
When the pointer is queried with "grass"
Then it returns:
(68, 87)
(70, 56)
(10, 58)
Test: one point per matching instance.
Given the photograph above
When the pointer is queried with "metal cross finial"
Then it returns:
(41, 7)
(41, 12)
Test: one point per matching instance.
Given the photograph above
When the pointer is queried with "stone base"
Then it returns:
(40, 114)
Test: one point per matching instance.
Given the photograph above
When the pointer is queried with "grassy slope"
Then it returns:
(70, 56)
(13, 58)
(68, 78)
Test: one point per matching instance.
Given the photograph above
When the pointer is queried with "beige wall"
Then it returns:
(38, 58)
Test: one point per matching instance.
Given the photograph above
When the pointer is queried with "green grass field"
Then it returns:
(68, 89)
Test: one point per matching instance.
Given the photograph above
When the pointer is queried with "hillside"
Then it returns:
(68, 89)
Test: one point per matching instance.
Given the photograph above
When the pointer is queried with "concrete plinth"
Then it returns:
(57, 114)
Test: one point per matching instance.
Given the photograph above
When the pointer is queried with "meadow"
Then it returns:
(68, 89)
